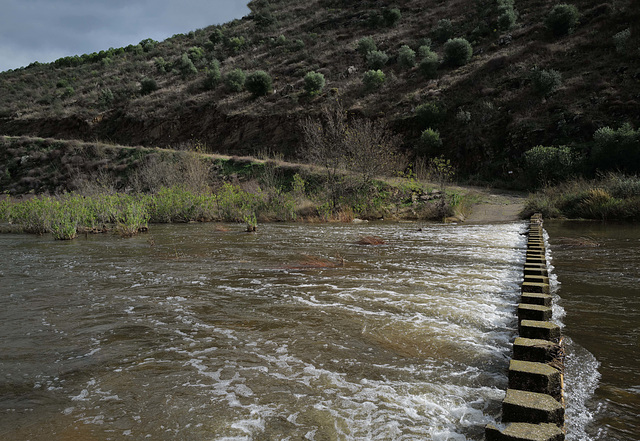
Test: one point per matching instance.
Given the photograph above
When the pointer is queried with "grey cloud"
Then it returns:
(39, 30)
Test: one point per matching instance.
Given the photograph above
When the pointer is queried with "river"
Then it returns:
(294, 333)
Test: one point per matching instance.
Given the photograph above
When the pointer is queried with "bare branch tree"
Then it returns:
(364, 147)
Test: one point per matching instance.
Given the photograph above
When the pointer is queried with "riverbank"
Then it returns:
(613, 196)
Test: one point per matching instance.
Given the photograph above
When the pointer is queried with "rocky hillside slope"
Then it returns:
(490, 109)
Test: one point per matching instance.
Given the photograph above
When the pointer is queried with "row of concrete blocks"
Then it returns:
(533, 408)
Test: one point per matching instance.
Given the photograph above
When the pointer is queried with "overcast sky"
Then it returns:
(45, 30)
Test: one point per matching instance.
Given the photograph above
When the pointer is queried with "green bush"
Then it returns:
(562, 19)
(430, 143)
(429, 64)
(160, 64)
(457, 52)
(366, 45)
(212, 78)
(443, 30)
(545, 165)
(105, 98)
(406, 57)
(216, 36)
(506, 14)
(234, 80)
(148, 85)
(616, 150)
(391, 16)
(258, 83)
(313, 83)
(185, 66)
(507, 20)
(429, 114)
(196, 53)
(236, 44)
(297, 45)
(376, 59)
(424, 49)
(621, 39)
(545, 82)
(373, 79)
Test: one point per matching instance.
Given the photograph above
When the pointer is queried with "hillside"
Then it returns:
(156, 94)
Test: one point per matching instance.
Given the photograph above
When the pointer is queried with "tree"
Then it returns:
(258, 83)
(313, 83)
(366, 45)
(336, 144)
(406, 57)
(373, 79)
(457, 52)
(562, 19)
(234, 80)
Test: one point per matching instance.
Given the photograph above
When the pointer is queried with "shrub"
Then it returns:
(212, 79)
(196, 53)
(507, 20)
(373, 79)
(617, 149)
(313, 83)
(545, 165)
(258, 83)
(429, 64)
(391, 16)
(148, 85)
(443, 30)
(377, 59)
(424, 49)
(562, 19)
(234, 80)
(429, 114)
(297, 45)
(430, 142)
(216, 36)
(621, 39)
(406, 57)
(457, 52)
(366, 45)
(506, 15)
(161, 65)
(186, 67)
(105, 98)
(236, 44)
(545, 82)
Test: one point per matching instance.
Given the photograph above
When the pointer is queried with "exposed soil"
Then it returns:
(497, 206)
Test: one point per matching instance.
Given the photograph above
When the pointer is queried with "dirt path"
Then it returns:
(496, 206)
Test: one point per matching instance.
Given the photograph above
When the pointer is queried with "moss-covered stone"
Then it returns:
(533, 349)
(542, 288)
(535, 298)
(524, 432)
(540, 330)
(535, 377)
(531, 407)
(534, 312)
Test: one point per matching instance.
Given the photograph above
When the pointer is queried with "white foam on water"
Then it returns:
(581, 381)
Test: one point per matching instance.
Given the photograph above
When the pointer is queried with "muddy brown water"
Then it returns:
(191, 333)
(599, 290)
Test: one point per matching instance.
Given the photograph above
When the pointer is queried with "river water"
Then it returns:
(598, 269)
(293, 333)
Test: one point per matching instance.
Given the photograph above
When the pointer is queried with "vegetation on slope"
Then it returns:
(98, 188)
(538, 74)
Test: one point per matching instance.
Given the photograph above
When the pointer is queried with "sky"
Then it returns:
(45, 30)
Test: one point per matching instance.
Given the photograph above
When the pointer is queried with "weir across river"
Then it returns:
(533, 408)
